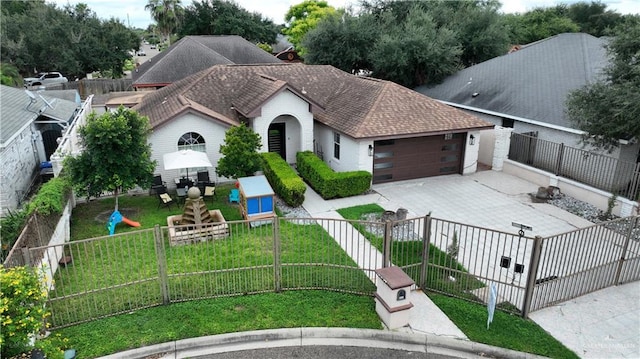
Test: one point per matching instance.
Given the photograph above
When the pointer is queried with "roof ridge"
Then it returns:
(374, 103)
(194, 39)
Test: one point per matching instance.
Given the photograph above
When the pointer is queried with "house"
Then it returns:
(192, 54)
(31, 124)
(526, 89)
(353, 123)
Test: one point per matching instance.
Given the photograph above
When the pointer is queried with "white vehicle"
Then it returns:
(45, 78)
(141, 53)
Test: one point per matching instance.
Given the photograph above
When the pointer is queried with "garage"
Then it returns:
(417, 157)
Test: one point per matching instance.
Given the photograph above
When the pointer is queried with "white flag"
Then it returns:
(491, 304)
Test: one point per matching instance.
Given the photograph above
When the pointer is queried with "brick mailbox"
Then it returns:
(392, 296)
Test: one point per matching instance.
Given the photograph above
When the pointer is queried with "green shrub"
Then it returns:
(51, 198)
(10, 228)
(22, 310)
(284, 180)
(328, 183)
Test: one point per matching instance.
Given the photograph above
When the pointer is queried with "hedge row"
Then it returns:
(328, 183)
(284, 180)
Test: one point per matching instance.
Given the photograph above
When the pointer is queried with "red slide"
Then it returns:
(130, 222)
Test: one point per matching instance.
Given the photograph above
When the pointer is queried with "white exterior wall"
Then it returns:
(19, 161)
(165, 139)
(294, 111)
(470, 162)
(354, 154)
(485, 150)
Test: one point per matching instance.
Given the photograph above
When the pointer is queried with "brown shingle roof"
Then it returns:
(192, 54)
(359, 107)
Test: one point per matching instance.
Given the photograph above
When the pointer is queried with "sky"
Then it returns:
(132, 12)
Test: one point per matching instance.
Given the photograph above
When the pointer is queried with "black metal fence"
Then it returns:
(110, 275)
(597, 170)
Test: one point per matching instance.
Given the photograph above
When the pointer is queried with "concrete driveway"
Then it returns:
(603, 324)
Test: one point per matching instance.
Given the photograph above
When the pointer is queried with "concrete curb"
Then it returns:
(273, 338)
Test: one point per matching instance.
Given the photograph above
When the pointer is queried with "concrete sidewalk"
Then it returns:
(425, 317)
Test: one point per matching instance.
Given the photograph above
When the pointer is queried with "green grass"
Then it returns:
(85, 223)
(506, 331)
(221, 315)
(408, 254)
(121, 273)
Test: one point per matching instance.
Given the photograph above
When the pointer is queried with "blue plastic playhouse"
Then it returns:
(257, 199)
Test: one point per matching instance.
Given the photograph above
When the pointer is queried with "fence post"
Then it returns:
(277, 267)
(560, 157)
(26, 256)
(625, 248)
(386, 253)
(426, 243)
(162, 263)
(531, 276)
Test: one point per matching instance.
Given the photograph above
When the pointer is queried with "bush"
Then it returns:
(328, 183)
(22, 311)
(10, 228)
(51, 198)
(284, 180)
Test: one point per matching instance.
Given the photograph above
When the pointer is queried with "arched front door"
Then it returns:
(277, 138)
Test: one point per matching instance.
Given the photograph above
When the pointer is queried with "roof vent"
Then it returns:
(475, 94)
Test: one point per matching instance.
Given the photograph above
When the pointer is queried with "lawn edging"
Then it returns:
(310, 336)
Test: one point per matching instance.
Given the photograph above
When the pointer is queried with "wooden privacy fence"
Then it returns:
(117, 274)
(597, 170)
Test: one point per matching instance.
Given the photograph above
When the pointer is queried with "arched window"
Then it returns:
(192, 141)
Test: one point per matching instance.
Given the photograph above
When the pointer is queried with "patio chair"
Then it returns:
(164, 199)
(209, 192)
(234, 196)
(203, 177)
(158, 183)
(184, 183)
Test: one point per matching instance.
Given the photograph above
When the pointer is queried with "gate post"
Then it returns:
(386, 253)
(162, 263)
(276, 256)
(625, 247)
(560, 158)
(426, 243)
(531, 276)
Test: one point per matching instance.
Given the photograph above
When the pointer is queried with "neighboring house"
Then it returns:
(527, 88)
(289, 55)
(353, 123)
(192, 54)
(31, 124)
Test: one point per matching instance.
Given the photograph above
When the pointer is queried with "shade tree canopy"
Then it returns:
(609, 109)
(115, 157)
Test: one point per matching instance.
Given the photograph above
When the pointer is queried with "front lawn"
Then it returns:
(289, 309)
(121, 273)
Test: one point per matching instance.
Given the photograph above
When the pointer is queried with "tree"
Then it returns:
(304, 17)
(609, 109)
(219, 17)
(167, 14)
(593, 18)
(240, 151)
(416, 51)
(539, 24)
(326, 44)
(9, 75)
(116, 156)
(71, 40)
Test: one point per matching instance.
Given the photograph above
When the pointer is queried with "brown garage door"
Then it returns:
(407, 158)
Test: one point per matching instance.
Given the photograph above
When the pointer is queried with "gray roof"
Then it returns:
(16, 111)
(192, 54)
(530, 83)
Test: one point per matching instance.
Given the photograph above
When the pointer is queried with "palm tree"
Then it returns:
(167, 14)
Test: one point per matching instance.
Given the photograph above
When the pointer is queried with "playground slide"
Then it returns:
(116, 218)
(130, 222)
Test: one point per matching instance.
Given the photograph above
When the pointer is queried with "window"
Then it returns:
(192, 141)
(507, 122)
(448, 136)
(336, 145)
